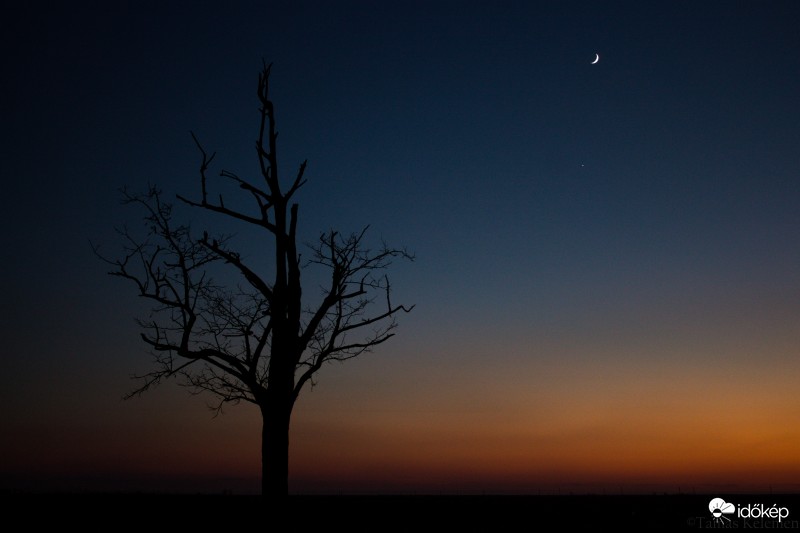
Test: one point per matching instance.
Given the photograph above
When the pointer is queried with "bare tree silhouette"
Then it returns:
(254, 341)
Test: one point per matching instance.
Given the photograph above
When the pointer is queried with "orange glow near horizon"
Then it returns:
(615, 423)
(606, 425)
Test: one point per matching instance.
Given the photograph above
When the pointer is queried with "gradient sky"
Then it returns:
(607, 282)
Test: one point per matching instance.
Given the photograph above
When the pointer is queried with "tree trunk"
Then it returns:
(275, 451)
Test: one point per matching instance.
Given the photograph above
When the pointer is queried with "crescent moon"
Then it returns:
(596, 58)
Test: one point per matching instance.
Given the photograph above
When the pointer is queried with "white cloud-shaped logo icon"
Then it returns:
(718, 507)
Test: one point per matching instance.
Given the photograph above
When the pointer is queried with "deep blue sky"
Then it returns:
(640, 213)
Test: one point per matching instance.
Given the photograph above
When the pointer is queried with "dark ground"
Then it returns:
(152, 512)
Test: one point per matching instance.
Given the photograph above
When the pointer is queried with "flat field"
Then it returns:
(654, 512)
